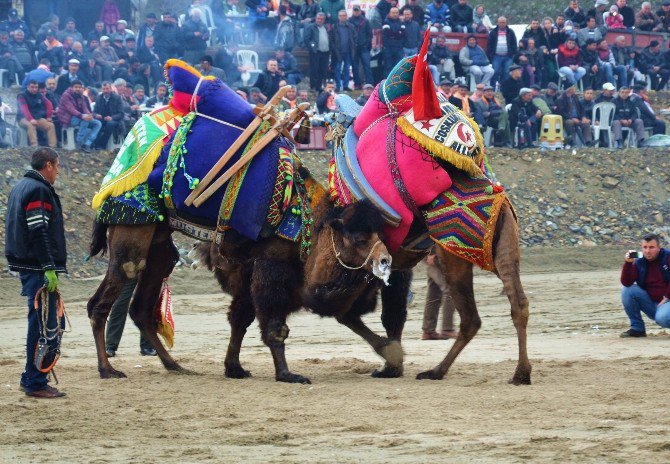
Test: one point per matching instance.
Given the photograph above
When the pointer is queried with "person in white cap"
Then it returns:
(106, 58)
(598, 12)
(121, 31)
(72, 74)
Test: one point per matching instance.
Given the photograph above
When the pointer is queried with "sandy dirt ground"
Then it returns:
(595, 397)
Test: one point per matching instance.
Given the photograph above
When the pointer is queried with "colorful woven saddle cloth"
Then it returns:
(463, 219)
(401, 159)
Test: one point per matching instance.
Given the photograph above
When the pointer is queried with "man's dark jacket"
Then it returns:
(624, 109)
(493, 43)
(35, 235)
(363, 32)
(335, 40)
(113, 107)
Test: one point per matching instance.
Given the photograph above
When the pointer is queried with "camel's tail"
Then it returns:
(98, 239)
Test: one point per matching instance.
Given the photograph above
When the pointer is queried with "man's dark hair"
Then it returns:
(41, 157)
(207, 58)
(652, 237)
(41, 85)
(33, 81)
(106, 83)
(76, 82)
(45, 61)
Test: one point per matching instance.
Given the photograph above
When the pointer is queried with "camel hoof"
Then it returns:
(236, 372)
(292, 378)
(181, 371)
(392, 352)
(388, 372)
(520, 379)
(111, 374)
(428, 375)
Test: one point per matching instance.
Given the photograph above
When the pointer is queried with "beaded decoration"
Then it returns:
(176, 160)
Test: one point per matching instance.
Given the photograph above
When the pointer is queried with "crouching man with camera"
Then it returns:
(646, 279)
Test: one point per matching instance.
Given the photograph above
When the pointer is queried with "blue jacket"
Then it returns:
(437, 15)
(641, 266)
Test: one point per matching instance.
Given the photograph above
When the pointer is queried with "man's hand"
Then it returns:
(87, 117)
(628, 258)
(594, 68)
(51, 280)
(663, 301)
(33, 122)
(108, 118)
(538, 114)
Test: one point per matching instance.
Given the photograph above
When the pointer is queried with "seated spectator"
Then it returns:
(625, 115)
(530, 59)
(91, 72)
(137, 74)
(480, 20)
(647, 113)
(588, 101)
(207, 69)
(148, 55)
(52, 50)
(131, 111)
(496, 117)
(160, 98)
(575, 121)
(575, 14)
(75, 111)
(512, 85)
(461, 17)
(539, 101)
(645, 279)
(614, 20)
(259, 19)
(331, 8)
(445, 88)
(107, 59)
(627, 13)
(653, 64)
(303, 96)
(39, 75)
(256, 97)
(131, 48)
(97, 32)
(24, 52)
(70, 31)
(524, 117)
(52, 23)
(646, 20)
(139, 95)
(550, 96)
(147, 29)
(473, 60)
(288, 66)
(441, 60)
(72, 74)
(570, 62)
(534, 31)
(13, 23)
(268, 80)
(122, 32)
(591, 31)
(290, 100)
(34, 114)
(438, 16)
(109, 112)
(461, 100)
(120, 49)
(418, 13)
(599, 11)
(52, 96)
(9, 61)
(365, 94)
(591, 63)
(607, 94)
(608, 65)
(77, 53)
(626, 57)
(664, 16)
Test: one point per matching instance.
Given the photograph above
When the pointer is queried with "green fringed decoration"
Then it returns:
(175, 160)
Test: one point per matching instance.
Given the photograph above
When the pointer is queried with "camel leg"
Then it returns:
(458, 274)
(394, 315)
(240, 316)
(274, 287)
(507, 266)
(128, 249)
(160, 261)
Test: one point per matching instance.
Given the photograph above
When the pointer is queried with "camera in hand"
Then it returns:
(635, 254)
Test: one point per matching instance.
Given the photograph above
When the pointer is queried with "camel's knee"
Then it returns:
(275, 334)
(132, 270)
(470, 327)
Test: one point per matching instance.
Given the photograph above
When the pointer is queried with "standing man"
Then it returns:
(393, 38)
(75, 111)
(363, 47)
(316, 41)
(413, 37)
(343, 46)
(167, 38)
(147, 29)
(437, 297)
(501, 48)
(35, 248)
(195, 36)
(646, 280)
(116, 322)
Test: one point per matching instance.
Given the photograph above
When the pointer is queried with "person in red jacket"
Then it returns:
(35, 112)
(570, 62)
(75, 111)
(646, 281)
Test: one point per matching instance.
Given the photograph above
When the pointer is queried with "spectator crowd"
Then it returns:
(100, 80)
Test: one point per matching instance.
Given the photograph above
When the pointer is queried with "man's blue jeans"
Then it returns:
(32, 379)
(362, 59)
(341, 71)
(636, 301)
(88, 130)
(501, 66)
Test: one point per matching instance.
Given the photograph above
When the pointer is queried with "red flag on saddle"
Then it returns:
(424, 97)
(164, 315)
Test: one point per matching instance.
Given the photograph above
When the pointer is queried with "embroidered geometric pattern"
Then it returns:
(463, 219)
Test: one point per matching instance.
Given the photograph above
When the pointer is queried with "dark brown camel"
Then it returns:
(330, 289)
(265, 279)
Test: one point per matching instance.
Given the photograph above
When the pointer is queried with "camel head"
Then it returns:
(356, 241)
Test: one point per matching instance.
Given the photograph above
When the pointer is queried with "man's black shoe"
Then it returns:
(632, 333)
(110, 352)
(148, 352)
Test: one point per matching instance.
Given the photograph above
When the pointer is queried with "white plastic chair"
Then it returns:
(208, 19)
(603, 113)
(67, 138)
(115, 142)
(248, 59)
(8, 136)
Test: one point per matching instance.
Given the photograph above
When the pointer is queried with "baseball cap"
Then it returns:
(488, 87)
(125, 23)
(601, 2)
(524, 90)
(552, 86)
(14, 13)
(73, 61)
(608, 86)
(445, 82)
(535, 87)
(514, 67)
(152, 16)
(103, 38)
(368, 86)
(357, 8)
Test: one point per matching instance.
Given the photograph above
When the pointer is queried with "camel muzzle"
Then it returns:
(381, 268)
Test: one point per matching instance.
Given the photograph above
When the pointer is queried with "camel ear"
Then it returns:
(337, 225)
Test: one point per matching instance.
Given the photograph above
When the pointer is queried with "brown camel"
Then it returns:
(265, 279)
(330, 290)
